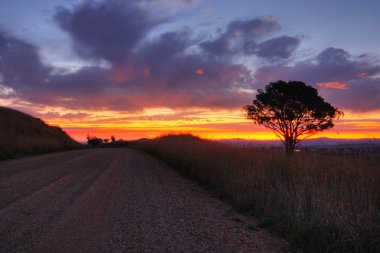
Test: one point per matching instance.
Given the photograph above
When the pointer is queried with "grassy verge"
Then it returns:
(51, 139)
(33, 146)
(322, 202)
(22, 134)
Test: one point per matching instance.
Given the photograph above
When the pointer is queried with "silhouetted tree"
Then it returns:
(106, 140)
(113, 139)
(293, 110)
(93, 140)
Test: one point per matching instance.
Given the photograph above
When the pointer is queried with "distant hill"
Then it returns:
(22, 134)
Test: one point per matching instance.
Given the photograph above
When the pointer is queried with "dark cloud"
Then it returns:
(107, 30)
(250, 47)
(159, 74)
(20, 64)
(253, 28)
(170, 2)
(166, 46)
(243, 36)
(239, 34)
(22, 70)
(159, 67)
(361, 95)
(281, 47)
(189, 1)
(334, 64)
(334, 56)
(331, 65)
(358, 86)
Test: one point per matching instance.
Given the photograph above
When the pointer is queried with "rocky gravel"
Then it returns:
(116, 200)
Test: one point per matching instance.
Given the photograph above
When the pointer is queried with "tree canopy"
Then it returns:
(94, 141)
(293, 110)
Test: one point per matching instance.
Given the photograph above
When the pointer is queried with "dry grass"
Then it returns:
(322, 202)
(21, 134)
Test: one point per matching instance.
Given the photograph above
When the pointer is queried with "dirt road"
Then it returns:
(115, 200)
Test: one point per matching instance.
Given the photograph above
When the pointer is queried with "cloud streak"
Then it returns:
(333, 85)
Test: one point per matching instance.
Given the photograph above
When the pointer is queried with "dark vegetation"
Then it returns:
(320, 201)
(95, 142)
(22, 134)
(292, 110)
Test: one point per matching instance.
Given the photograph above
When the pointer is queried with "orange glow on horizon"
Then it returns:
(205, 123)
(133, 134)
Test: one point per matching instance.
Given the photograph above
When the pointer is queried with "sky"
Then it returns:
(144, 68)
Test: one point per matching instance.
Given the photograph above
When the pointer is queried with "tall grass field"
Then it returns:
(320, 201)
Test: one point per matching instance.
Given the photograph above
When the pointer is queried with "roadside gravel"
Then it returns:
(116, 200)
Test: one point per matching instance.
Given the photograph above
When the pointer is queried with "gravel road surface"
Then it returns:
(116, 200)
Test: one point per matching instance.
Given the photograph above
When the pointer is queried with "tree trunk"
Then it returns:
(289, 145)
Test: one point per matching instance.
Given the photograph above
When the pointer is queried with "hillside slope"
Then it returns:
(22, 134)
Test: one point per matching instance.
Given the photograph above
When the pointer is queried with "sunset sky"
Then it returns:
(143, 68)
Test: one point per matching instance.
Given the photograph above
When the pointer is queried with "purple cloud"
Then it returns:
(333, 65)
(166, 46)
(281, 47)
(362, 95)
(243, 36)
(107, 30)
(237, 34)
(158, 74)
(20, 64)
(163, 70)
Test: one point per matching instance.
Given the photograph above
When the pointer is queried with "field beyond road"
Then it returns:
(116, 200)
(325, 201)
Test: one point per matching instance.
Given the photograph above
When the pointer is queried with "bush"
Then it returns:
(93, 141)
